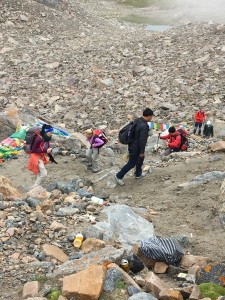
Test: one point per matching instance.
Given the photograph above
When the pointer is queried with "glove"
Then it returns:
(52, 158)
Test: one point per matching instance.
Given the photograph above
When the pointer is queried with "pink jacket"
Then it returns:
(98, 142)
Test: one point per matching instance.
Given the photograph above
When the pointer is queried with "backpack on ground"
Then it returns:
(184, 140)
(31, 134)
(126, 134)
(100, 135)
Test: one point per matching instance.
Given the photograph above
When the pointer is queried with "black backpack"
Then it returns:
(126, 134)
(29, 138)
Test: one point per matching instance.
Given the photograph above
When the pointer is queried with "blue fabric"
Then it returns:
(49, 130)
(198, 124)
(134, 161)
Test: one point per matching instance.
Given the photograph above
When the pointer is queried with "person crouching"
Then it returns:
(92, 154)
(174, 141)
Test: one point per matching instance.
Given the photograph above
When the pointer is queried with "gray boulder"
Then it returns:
(7, 127)
(112, 277)
(209, 176)
(124, 225)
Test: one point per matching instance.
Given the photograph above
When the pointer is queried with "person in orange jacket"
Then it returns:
(174, 141)
(199, 120)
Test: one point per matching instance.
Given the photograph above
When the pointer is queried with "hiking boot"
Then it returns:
(84, 160)
(119, 181)
(95, 170)
(142, 175)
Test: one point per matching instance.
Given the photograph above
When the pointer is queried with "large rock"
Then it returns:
(196, 293)
(125, 275)
(56, 252)
(213, 272)
(189, 260)
(92, 245)
(154, 284)
(39, 193)
(107, 254)
(205, 178)
(170, 294)
(124, 225)
(154, 143)
(112, 277)
(217, 147)
(85, 285)
(6, 189)
(30, 289)
(7, 126)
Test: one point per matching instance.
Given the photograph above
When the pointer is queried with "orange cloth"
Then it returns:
(33, 162)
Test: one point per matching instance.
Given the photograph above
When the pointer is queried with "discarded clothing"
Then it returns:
(162, 249)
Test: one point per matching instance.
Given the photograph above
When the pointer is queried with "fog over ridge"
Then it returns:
(202, 9)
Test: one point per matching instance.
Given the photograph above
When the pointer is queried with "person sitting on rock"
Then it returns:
(174, 141)
(38, 157)
(208, 130)
(92, 154)
(199, 120)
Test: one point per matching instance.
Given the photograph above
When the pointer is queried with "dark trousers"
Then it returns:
(134, 161)
(168, 151)
(198, 124)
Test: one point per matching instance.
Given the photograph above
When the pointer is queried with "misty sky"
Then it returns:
(203, 9)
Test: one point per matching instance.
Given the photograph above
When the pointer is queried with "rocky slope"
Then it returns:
(68, 65)
(72, 67)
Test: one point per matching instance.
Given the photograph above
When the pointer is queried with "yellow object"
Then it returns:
(78, 240)
(126, 157)
(124, 265)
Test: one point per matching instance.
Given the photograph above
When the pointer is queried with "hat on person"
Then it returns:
(172, 129)
(49, 129)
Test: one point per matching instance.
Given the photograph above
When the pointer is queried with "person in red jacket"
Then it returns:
(173, 143)
(199, 120)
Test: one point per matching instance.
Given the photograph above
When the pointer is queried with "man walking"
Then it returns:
(137, 147)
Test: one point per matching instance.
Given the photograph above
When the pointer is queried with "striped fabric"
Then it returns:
(161, 126)
(162, 249)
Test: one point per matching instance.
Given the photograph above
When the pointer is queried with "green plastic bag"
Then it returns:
(20, 134)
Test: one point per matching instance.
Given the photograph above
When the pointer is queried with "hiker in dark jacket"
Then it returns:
(208, 130)
(137, 147)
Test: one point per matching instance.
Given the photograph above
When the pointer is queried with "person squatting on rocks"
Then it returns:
(137, 147)
(174, 141)
(208, 130)
(38, 157)
(92, 154)
(199, 120)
